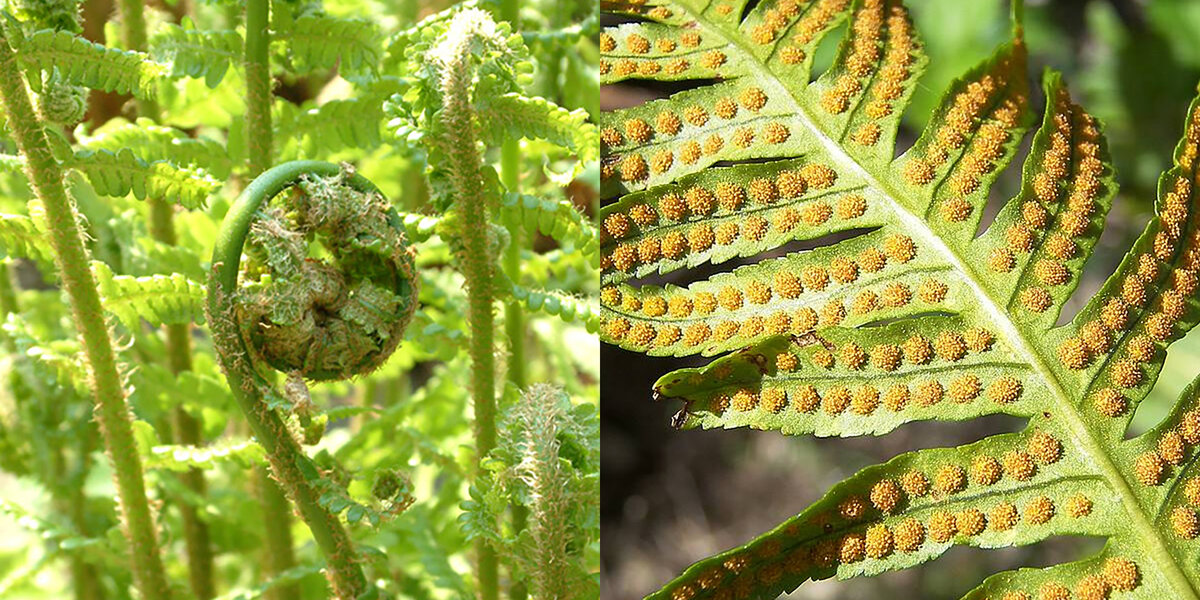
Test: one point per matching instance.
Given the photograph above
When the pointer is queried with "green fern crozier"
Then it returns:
(914, 319)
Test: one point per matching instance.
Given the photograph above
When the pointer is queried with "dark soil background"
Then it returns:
(672, 497)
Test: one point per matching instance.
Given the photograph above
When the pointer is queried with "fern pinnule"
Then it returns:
(908, 314)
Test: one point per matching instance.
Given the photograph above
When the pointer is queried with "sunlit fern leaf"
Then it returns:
(123, 172)
(167, 143)
(196, 53)
(86, 63)
(175, 457)
(57, 362)
(558, 219)
(566, 307)
(324, 41)
(906, 314)
(337, 124)
(159, 299)
(21, 238)
(510, 116)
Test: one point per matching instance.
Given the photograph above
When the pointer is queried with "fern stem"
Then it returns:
(514, 313)
(289, 465)
(459, 147)
(277, 523)
(179, 347)
(257, 63)
(112, 411)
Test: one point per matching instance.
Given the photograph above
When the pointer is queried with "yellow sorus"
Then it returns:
(1019, 465)
(744, 400)
(836, 400)
(942, 527)
(915, 484)
(1003, 516)
(950, 479)
(787, 285)
(1172, 448)
(879, 541)
(806, 399)
(950, 346)
(932, 291)
(872, 260)
(1121, 573)
(896, 398)
(763, 191)
(909, 535)
(774, 400)
(886, 496)
(1149, 468)
(1074, 354)
(1005, 390)
(928, 393)
(1185, 522)
(1045, 448)
(852, 355)
(865, 400)
(1036, 299)
(965, 388)
(886, 357)
(1039, 510)
(986, 470)
(1079, 506)
(970, 522)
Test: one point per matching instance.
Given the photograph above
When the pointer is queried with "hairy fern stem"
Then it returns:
(459, 143)
(277, 522)
(71, 257)
(184, 427)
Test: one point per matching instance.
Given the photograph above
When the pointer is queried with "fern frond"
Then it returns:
(159, 299)
(195, 53)
(566, 307)
(336, 124)
(81, 62)
(556, 218)
(176, 457)
(512, 115)
(123, 172)
(324, 41)
(165, 143)
(907, 314)
(21, 238)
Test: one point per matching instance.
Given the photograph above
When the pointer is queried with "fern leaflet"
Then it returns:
(911, 316)
(159, 299)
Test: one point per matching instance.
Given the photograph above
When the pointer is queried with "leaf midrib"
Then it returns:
(1085, 441)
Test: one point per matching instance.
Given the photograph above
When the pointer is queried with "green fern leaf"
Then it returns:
(515, 116)
(21, 238)
(123, 172)
(557, 304)
(195, 53)
(907, 315)
(159, 299)
(86, 63)
(558, 219)
(324, 41)
(336, 124)
(166, 143)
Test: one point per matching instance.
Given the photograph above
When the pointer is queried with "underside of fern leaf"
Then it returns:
(909, 315)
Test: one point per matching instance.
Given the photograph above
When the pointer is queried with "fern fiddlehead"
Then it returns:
(71, 258)
(304, 316)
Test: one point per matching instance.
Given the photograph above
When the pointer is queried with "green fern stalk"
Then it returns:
(514, 312)
(463, 162)
(289, 465)
(112, 412)
(280, 553)
(178, 343)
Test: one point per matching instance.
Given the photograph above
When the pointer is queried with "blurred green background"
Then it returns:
(670, 498)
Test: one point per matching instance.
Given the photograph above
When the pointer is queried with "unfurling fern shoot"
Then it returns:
(319, 319)
(912, 317)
